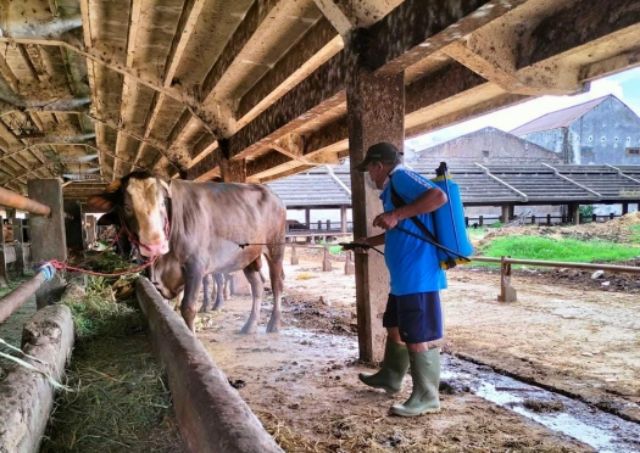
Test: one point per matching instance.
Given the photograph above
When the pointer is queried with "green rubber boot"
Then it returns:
(394, 367)
(425, 371)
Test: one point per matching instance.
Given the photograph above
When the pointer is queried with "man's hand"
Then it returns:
(386, 220)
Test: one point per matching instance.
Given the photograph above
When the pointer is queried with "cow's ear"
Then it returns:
(166, 186)
(114, 186)
(100, 203)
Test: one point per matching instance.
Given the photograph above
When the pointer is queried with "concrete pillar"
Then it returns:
(504, 216)
(375, 113)
(4, 275)
(22, 256)
(73, 224)
(231, 170)
(574, 213)
(48, 238)
(343, 219)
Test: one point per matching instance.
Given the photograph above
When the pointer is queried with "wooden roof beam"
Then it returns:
(128, 88)
(348, 15)
(189, 16)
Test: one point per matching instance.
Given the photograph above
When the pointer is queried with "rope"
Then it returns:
(65, 266)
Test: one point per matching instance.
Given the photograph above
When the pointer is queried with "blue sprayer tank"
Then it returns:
(449, 222)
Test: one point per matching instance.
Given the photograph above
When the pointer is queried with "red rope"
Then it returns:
(65, 266)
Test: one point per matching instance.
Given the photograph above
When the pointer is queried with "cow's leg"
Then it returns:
(206, 294)
(219, 278)
(192, 281)
(228, 286)
(252, 272)
(276, 272)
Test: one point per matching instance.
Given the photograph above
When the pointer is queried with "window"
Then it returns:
(633, 151)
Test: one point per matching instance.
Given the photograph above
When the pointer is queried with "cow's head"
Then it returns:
(142, 202)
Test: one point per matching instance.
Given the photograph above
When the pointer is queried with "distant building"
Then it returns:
(600, 131)
(486, 146)
(489, 146)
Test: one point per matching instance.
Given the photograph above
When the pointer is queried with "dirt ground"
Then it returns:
(303, 384)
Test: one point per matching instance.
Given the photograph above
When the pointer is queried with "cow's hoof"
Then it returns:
(274, 326)
(249, 327)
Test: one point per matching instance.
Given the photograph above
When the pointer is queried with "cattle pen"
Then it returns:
(178, 93)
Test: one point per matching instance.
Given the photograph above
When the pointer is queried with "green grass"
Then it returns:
(635, 233)
(543, 248)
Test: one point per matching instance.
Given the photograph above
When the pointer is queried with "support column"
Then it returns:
(625, 208)
(231, 170)
(574, 214)
(4, 275)
(375, 113)
(512, 213)
(22, 257)
(73, 224)
(343, 219)
(307, 217)
(504, 216)
(48, 238)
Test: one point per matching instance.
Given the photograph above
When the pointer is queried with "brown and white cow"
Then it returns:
(194, 229)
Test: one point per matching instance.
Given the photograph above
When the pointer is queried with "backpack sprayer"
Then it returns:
(450, 234)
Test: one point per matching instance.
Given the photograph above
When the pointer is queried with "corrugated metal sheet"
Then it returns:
(559, 118)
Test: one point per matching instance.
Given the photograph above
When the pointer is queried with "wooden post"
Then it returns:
(90, 229)
(533, 219)
(343, 219)
(625, 208)
(294, 255)
(549, 219)
(4, 275)
(481, 221)
(73, 224)
(349, 268)
(48, 238)
(594, 218)
(319, 225)
(22, 258)
(504, 216)
(507, 292)
(328, 225)
(375, 113)
(326, 261)
(307, 218)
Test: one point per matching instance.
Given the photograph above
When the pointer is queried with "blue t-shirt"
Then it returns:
(413, 264)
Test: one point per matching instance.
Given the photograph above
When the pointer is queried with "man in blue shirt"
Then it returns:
(413, 317)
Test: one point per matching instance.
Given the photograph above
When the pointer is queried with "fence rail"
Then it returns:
(19, 296)
(508, 292)
(533, 219)
(16, 201)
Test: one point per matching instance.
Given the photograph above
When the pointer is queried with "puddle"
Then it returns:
(603, 431)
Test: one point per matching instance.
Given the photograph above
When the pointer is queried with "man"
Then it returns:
(412, 317)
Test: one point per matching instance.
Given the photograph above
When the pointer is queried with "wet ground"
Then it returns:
(303, 382)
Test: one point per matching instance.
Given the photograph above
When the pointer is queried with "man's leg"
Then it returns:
(420, 323)
(396, 356)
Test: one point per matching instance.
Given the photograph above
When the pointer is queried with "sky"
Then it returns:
(624, 85)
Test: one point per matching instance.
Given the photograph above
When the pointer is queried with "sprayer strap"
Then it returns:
(399, 202)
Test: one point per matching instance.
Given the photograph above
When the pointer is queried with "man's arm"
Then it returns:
(429, 201)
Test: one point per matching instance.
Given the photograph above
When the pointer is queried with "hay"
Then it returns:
(120, 401)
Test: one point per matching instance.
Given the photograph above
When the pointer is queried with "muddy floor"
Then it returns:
(303, 382)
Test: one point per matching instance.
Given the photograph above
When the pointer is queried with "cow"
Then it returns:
(125, 250)
(192, 229)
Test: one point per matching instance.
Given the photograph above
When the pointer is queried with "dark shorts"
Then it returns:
(418, 316)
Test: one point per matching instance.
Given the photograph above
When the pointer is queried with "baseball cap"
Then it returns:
(380, 152)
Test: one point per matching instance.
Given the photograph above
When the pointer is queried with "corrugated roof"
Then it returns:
(522, 184)
(559, 118)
